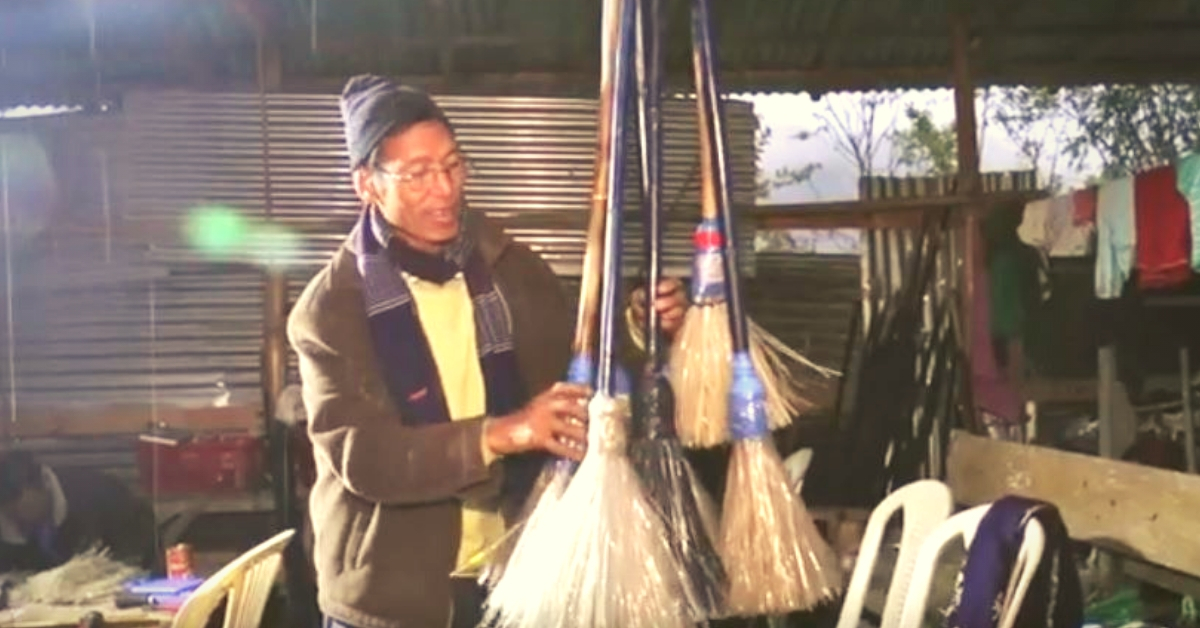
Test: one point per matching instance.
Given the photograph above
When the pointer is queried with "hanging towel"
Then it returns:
(1164, 236)
(1055, 596)
(1084, 206)
(1188, 182)
(1116, 237)
(1033, 227)
(1049, 226)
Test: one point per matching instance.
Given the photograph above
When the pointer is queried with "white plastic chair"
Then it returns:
(926, 504)
(1029, 557)
(797, 467)
(965, 524)
(962, 525)
(246, 583)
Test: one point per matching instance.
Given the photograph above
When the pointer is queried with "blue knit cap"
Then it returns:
(374, 107)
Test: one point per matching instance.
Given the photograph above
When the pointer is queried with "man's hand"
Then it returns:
(555, 421)
(670, 301)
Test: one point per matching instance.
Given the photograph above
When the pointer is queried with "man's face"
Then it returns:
(417, 183)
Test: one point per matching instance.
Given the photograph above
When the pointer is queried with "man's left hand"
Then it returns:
(670, 301)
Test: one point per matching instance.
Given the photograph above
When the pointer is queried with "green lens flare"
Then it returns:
(224, 234)
(215, 230)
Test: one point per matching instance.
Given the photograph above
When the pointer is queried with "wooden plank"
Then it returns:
(129, 419)
(888, 213)
(1134, 510)
(62, 616)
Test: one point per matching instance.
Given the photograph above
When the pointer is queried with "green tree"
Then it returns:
(1035, 123)
(923, 148)
(1126, 128)
(1133, 127)
(860, 127)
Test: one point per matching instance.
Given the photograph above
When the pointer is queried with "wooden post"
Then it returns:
(964, 108)
(275, 290)
(968, 171)
(274, 362)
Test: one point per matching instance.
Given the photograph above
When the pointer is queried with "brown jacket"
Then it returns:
(385, 507)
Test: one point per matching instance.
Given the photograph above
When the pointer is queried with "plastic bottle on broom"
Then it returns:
(773, 553)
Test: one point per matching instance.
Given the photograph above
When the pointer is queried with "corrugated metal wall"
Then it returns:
(806, 300)
(151, 320)
(532, 159)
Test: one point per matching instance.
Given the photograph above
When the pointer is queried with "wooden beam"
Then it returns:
(1134, 510)
(47, 80)
(891, 213)
(49, 422)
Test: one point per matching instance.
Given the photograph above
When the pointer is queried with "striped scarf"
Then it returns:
(401, 347)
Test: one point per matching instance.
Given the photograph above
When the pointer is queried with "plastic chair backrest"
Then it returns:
(797, 467)
(926, 504)
(246, 584)
(1029, 557)
(962, 525)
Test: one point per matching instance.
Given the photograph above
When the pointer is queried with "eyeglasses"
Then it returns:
(422, 178)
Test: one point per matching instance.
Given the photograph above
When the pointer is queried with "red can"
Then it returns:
(180, 561)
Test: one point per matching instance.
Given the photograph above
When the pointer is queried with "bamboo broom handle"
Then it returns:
(610, 294)
(589, 288)
(713, 131)
(649, 66)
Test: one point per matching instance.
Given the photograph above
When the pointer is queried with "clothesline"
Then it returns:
(1145, 222)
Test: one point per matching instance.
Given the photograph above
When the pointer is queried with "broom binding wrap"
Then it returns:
(747, 400)
(582, 370)
(708, 270)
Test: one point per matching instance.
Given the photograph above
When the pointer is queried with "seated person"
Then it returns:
(48, 516)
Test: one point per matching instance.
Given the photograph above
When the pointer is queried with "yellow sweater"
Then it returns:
(448, 319)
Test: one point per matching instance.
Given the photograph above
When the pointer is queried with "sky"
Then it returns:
(788, 114)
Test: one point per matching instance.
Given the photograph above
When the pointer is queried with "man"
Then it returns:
(429, 350)
(48, 516)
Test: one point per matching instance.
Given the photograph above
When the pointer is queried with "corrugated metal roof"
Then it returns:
(56, 48)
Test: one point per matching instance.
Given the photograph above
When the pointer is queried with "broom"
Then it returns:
(608, 559)
(700, 366)
(776, 559)
(90, 577)
(547, 489)
(655, 449)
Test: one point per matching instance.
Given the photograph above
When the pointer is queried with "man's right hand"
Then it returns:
(555, 421)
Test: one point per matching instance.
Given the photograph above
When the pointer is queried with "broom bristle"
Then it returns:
(775, 557)
(701, 376)
(521, 551)
(489, 564)
(85, 578)
(672, 486)
(607, 559)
